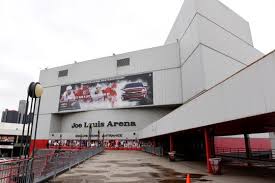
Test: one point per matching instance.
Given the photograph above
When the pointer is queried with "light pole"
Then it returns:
(90, 135)
(35, 91)
(80, 141)
(103, 140)
(60, 141)
(98, 137)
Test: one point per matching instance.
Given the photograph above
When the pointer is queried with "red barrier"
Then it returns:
(124, 148)
(43, 166)
(39, 144)
(255, 143)
(107, 148)
(70, 148)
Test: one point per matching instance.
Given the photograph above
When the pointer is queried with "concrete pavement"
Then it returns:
(139, 167)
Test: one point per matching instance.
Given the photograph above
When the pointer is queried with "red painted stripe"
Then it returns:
(124, 148)
(39, 144)
(229, 142)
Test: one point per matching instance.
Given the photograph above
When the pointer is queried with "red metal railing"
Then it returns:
(124, 148)
(43, 167)
(255, 153)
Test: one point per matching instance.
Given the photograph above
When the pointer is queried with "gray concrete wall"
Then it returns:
(77, 123)
(272, 138)
(210, 47)
(214, 11)
(147, 60)
(248, 93)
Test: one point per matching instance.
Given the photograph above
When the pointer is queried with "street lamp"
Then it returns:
(35, 91)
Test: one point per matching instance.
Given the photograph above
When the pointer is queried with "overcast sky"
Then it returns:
(47, 33)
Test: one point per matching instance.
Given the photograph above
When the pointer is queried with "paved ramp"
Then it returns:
(139, 167)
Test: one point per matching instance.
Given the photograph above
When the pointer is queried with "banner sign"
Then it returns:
(6, 146)
(105, 135)
(7, 138)
(100, 124)
(127, 91)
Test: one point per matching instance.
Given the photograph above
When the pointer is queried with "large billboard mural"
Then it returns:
(126, 91)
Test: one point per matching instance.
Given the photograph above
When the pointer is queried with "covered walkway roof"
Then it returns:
(243, 102)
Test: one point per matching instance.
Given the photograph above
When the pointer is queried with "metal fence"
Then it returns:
(256, 153)
(43, 167)
(153, 150)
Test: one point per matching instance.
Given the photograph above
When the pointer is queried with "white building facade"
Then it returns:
(177, 86)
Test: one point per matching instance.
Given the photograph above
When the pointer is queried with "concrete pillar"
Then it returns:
(154, 145)
(212, 143)
(207, 149)
(171, 142)
(247, 146)
(272, 139)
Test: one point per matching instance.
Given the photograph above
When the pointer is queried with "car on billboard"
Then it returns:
(134, 91)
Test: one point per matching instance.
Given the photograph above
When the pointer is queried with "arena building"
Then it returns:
(206, 80)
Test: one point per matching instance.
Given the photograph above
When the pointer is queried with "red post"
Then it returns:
(247, 146)
(154, 145)
(171, 142)
(207, 149)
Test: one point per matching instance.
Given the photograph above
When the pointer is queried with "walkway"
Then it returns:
(139, 167)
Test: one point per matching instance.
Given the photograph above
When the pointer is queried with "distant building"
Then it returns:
(13, 116)
(21, 110)
(10, 116)
(10, 138)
